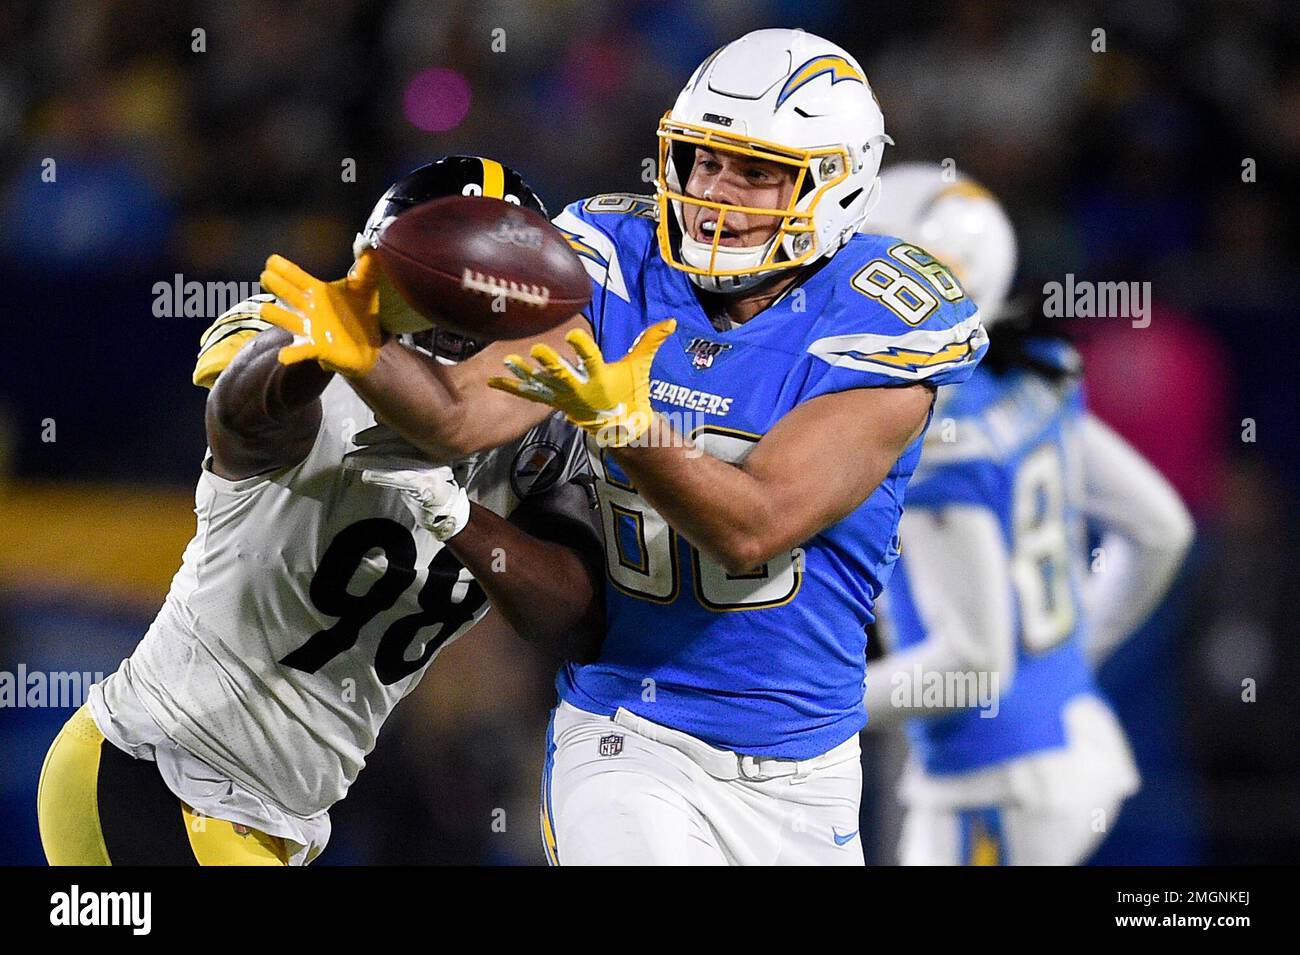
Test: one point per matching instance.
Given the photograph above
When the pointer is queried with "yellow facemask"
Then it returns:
(794, 242)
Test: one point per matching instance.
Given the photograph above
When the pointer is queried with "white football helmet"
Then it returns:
(957, 221)
(788, 97)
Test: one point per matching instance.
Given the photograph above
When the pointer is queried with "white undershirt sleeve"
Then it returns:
(1145, 534)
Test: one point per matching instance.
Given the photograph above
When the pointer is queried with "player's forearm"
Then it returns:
(546, 591)
(743, 515)
(257, 393)
(956, 567)
(447, 411)
(409, 393)
(790, 484)
(890, 680)
(263, 415)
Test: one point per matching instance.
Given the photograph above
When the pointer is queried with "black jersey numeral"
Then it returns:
(438, 608)
(442, 603)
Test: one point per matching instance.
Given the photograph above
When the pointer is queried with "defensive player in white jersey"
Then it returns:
(720, 722)
(331, 564)
(995, 600)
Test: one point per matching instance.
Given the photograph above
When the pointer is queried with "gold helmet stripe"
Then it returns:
(494, 178)
(964, 189)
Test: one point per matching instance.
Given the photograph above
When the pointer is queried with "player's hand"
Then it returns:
(439, 504)
(335, 323)
(611, 401)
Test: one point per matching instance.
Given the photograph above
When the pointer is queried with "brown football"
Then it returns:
(482, 267)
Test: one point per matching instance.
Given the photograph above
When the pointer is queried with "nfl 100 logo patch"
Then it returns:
(611, 745)
(703, 351)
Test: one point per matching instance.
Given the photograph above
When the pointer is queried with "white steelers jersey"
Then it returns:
(309, 603)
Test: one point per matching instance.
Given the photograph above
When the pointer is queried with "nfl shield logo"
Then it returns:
(703, 351)
(611, 745)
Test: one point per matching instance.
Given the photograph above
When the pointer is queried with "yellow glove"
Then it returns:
(612, 401)
(333, 322)
(234, 329)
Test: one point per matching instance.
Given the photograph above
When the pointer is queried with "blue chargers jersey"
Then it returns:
(771, 662)
(1012, 448)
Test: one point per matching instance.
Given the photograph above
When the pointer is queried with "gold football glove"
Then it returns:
(611, 401)
(334, 323)
(235, 328)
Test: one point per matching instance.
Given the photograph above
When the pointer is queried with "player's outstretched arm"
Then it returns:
(448, 411)
(1146, 532)
(818, 463)
(262, 415)
(813, 468)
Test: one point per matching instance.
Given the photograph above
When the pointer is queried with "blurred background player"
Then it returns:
(330, 566)
(995, 583)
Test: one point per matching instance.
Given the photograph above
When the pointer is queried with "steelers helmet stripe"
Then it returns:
(494, 178)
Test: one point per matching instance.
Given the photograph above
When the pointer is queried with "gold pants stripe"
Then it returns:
(67, 797)
(71, 823)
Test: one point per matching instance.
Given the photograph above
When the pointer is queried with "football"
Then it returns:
(481, 267)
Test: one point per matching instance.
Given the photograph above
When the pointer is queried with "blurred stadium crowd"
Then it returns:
(1171, 157)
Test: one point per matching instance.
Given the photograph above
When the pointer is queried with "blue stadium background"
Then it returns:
(1124, 164)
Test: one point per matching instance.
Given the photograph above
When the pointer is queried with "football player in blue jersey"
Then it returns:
(995, 605)
(755, 378)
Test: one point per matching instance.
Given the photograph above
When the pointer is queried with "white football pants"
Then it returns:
(624, 791)
(1051, 808)
(1006, 835)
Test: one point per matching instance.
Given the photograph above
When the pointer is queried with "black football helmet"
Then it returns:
(449, 176)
